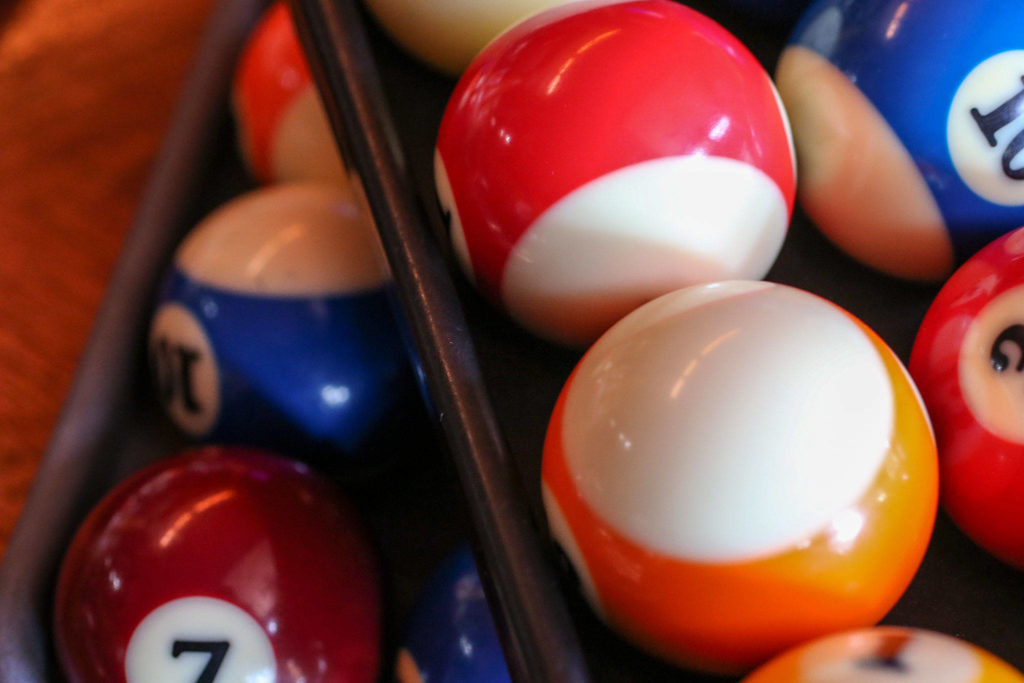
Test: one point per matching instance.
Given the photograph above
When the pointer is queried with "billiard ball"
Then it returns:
(883, 654)
(282, 127)
(967, 362)
(908, 119)
(447, 34)
(274, 328)
(219, 565)
(735, 468)
(451, 636)
(598, 155)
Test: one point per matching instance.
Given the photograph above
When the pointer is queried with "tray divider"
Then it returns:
(101, 391)
(538, 636)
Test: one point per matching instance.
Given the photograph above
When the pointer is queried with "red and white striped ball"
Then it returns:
(600, 154)
(283, 132)
(736, 468)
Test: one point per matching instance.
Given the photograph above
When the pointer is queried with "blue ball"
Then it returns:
(274, 328)
(451, 636)
(908, 119)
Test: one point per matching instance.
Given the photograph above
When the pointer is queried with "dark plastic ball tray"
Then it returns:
(490, 385)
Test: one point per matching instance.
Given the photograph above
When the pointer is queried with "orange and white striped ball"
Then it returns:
(736, 468)
(887, 654)
(283, 132)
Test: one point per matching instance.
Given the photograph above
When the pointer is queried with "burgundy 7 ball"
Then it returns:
(968, 362)
(602, 153)
(219, 565)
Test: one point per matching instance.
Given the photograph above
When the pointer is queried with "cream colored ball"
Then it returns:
(447, 34)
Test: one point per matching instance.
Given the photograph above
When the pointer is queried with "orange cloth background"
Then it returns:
(86, 91)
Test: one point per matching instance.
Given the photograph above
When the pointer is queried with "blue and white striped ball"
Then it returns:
(908, 118)
(274, 327)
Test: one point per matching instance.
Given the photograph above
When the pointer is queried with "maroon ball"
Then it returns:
(219, 564)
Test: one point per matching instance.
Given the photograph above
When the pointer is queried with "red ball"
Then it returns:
(224, 563)
(601, 154)
(283, 131)
(968, 362)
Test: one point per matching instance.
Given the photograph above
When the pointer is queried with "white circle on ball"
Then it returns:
(995, 395)
(729, 421)
(185, 369)
(985, 129)
(199, 638)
